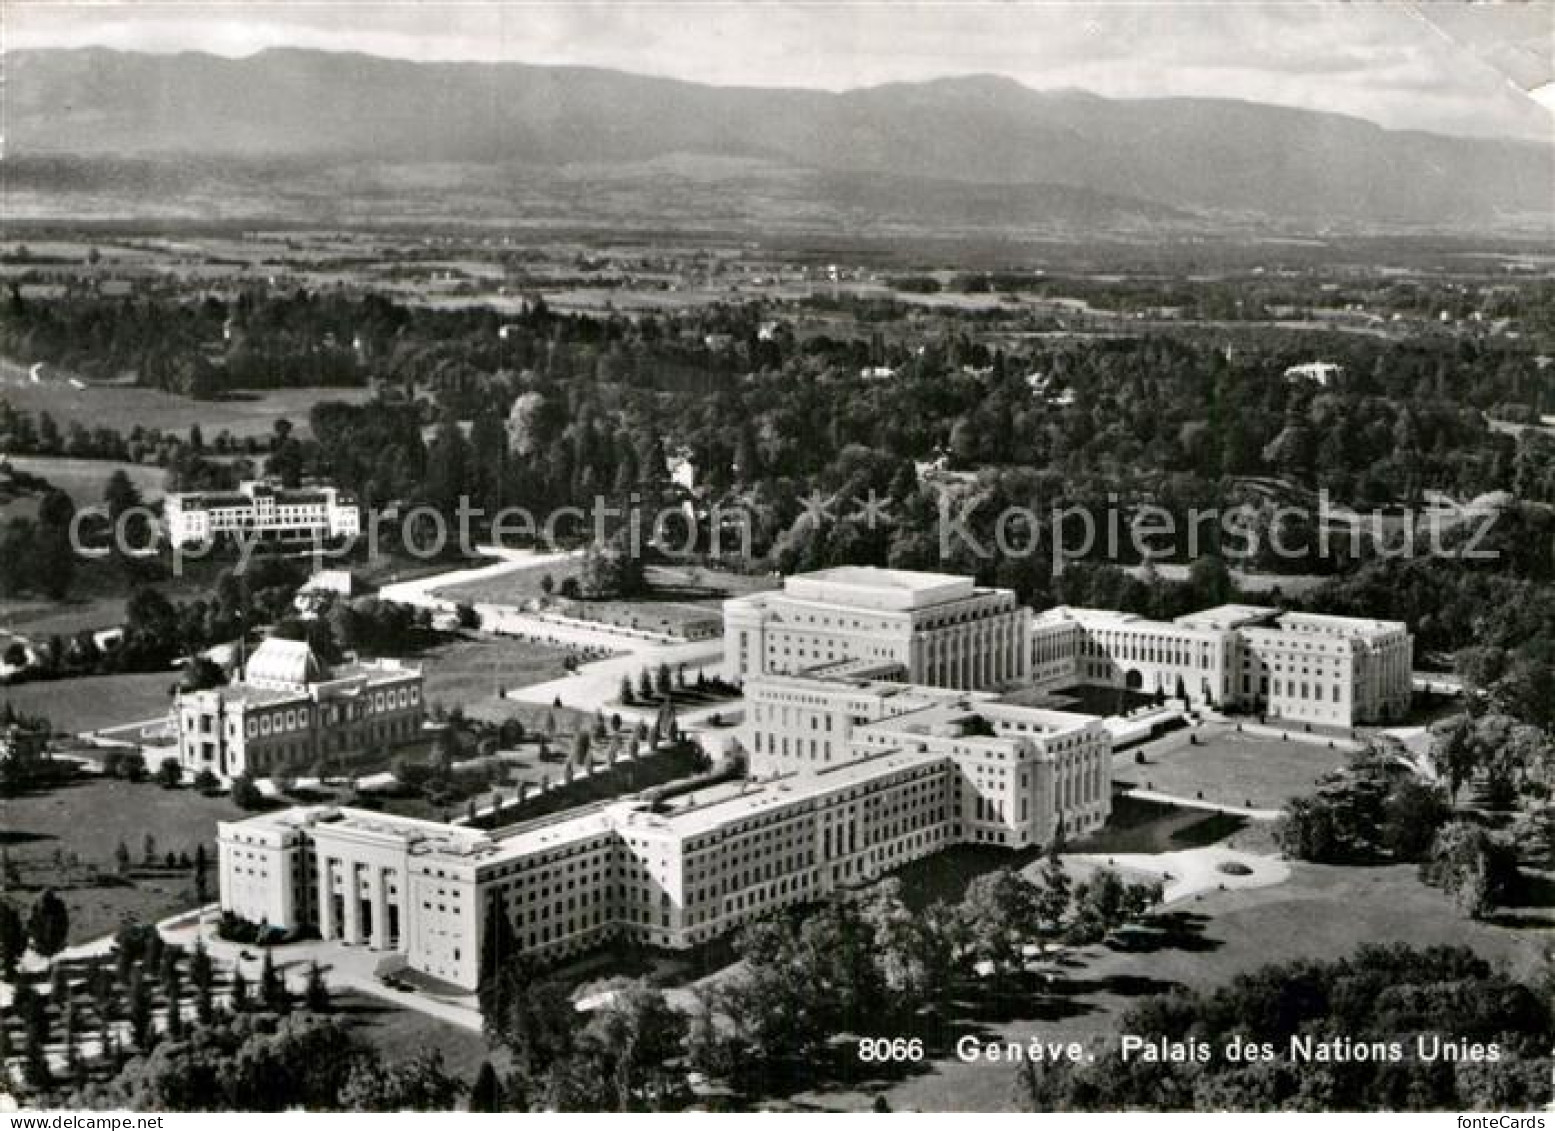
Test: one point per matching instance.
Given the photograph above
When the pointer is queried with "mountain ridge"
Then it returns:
(1190, 160)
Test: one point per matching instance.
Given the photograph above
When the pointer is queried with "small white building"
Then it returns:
(323, 587)
(1319, 372)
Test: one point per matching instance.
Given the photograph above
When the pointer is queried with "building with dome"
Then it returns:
(291, 712)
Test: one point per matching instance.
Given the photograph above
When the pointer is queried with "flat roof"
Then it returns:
(870, 587)
(874, 577)
(1227, 616)
(703, 814)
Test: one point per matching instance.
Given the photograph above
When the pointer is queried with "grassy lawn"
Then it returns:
(471, 669)
(399, 1033)
(98, 592)
(243, 414)
(90, 819)
(1320, 913)
(678, 595)
(94, 701)
(1231, 768)
(85, 479)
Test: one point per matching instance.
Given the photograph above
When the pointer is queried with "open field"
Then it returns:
(84, 479)
(1229, 768)
(472, 669)
(98, 591)
(90, 818)
(123, 407)
(94, 701)
(677, 595)
(1319, 913)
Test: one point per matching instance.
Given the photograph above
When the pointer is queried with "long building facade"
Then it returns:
(873, 740)
(930, 771)
(290, 711)
(260, 509)
(1299, 666)
(937, 629)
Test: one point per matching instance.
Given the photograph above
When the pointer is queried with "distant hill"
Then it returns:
(317, 135)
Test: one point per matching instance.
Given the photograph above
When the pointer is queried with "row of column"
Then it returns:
(354, 877)
(971, 656)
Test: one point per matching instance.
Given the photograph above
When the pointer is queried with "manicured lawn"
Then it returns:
(90, 819)
(1232, 768)
(473, 668)
(94, 701)
(400, 1034)
(1320, 913)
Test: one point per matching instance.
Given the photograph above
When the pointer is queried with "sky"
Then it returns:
(1435, 65)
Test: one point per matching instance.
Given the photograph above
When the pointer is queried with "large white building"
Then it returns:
(937, 629)
(290, 711)
(1298, 666)
(260, 509)
(852, 775)
(951, 768)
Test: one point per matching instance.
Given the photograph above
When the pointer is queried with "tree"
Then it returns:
(138, 1004)
(13, 939)
(421, 1084)
(1412, 814)
(1475, 868)
(1000, 912)
(915, 953)
(316, 994)
(132, 766)
(272, 987)
(206, 782)
(1105, 902)
(201, 869)
(48, 926)
(486, 1092)
(627, 1043)
(580, 748)
(169, 773)
(1054, 890)
(238, 992)
(245, 793)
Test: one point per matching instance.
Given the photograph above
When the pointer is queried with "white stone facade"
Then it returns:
(1316, 669)
(290, 712)
(940, 630)
(259, 509)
